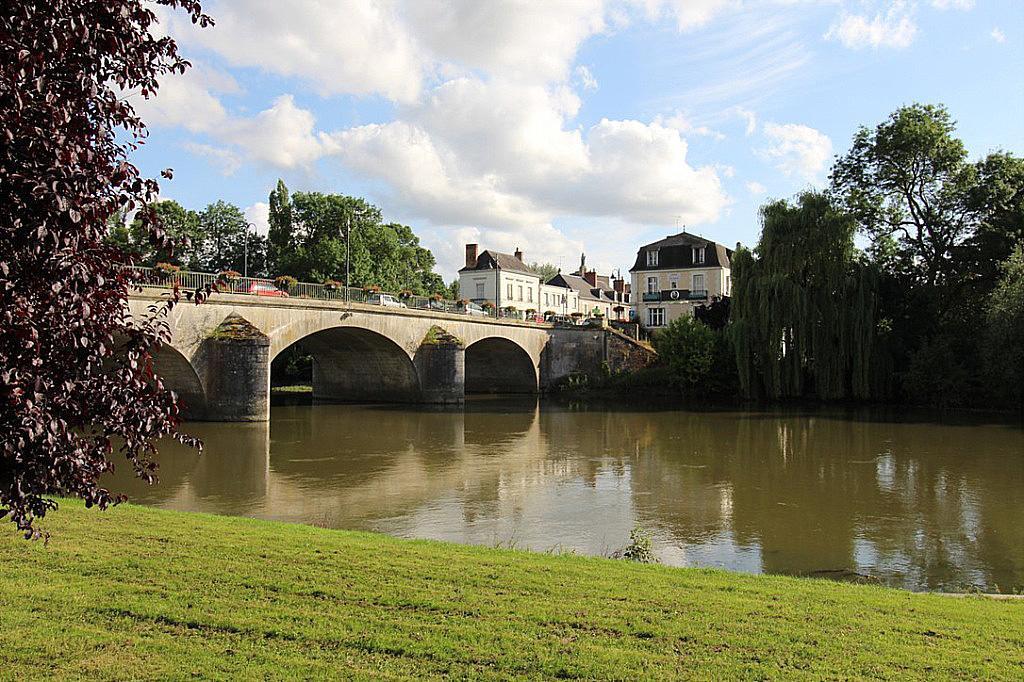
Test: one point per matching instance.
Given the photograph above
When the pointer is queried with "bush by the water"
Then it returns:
(696, 357)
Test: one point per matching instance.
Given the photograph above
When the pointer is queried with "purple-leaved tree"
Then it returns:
(76, 375)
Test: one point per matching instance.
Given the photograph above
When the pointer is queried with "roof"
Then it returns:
(488, 259)
(676, 252)
(576, 283)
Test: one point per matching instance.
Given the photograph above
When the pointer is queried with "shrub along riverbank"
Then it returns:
(143, 593)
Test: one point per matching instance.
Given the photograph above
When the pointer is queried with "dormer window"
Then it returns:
(698, 255)
(652, 258)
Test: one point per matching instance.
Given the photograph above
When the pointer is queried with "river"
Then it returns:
(914, 501)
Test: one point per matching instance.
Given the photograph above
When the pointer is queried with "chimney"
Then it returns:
(591, 277)
(619, 285)
(519, 254)
(471, 255)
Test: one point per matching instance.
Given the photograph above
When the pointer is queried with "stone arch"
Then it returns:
(354, 364)
(497, 365)
(180, 376)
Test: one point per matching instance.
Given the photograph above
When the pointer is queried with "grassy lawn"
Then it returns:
(140, 593)
(285, 390)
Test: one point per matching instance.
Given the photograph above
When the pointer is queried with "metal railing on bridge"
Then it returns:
(258, 286)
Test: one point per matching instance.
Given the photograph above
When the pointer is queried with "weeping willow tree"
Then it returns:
(803, 307)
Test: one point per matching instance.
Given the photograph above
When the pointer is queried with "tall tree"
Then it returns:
(387, 255)
(546, 271)
(804, 305)
(998, 201)
(906, 183)
(182, 227)
(225, 231)
(280, 237)
(1005, 316)
(76, 375)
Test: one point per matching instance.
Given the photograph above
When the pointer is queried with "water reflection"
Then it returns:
(906, 501)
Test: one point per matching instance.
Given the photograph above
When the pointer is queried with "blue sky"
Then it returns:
(561, 127)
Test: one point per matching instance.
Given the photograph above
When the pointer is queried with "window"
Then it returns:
(520, 292)
(674, 282)
(652, 285)
(479, 289)
(655, 317)
(509, 291)
(698, 254)
(652, 257)
(698, 282)
(529, 294)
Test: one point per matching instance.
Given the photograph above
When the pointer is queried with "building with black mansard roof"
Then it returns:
(674, 275)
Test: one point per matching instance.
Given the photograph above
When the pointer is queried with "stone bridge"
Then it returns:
(220, 353)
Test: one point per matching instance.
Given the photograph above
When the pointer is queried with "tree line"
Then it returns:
(307, 240)
(929, 310)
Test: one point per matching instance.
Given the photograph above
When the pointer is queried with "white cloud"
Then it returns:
(797, 150)
(998, 35)
(895, 28)
(226, 160)
(749, 116)
(503, 158)
(688, 14)
(281, 136)
(953, 4)
(756, 188)
(356, 46)
(187, 100)
(684, 125)
(585, 78)
(259, 215)
(524, 41)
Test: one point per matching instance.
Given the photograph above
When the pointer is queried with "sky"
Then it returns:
(565, 126)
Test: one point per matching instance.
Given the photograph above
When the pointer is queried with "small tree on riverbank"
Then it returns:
(76, 374)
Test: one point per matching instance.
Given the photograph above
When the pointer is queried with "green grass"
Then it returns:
(140, 593)
(284, 390)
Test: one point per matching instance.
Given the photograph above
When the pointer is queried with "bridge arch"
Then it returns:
(355, 364)
(495, 364)
(179, 375)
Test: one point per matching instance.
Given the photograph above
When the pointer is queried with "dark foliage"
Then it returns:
(76, 376)
(714, 314)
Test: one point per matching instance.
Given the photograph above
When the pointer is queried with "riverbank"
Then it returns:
(142, 593)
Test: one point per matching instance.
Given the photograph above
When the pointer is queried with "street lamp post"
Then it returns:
(348, 236)
(245, 257)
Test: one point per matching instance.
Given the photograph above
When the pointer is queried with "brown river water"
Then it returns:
(921, 501)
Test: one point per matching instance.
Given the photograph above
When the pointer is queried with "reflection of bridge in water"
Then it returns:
(220, 353)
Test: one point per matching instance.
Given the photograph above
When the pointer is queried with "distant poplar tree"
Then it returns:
(281, 237)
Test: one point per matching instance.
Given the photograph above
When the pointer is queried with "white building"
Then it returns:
(674, 275)
(507, 282)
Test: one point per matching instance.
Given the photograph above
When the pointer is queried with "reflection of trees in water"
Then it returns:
(347, 465)
(819, 493)
(229, 477)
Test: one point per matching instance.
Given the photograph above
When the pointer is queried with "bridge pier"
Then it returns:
(441, 366)
(233, 363)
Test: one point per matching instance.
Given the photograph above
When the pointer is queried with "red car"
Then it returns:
(263, 289)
